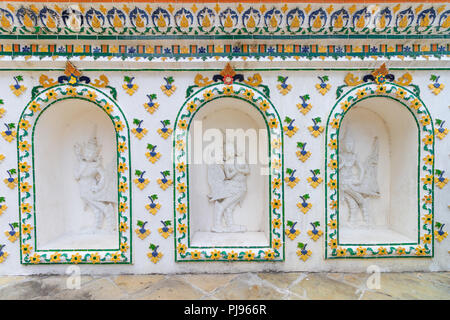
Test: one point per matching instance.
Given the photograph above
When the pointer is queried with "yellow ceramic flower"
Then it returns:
(35, 258)
(264, 105)
(123, 187)
(180, 145)
(420, 251)
(360, 251)
(56, 257)
(276, 223)
(124, 247)
(228, 90)
(181, 208)
(115, 257)
(382, 251)
(232, 255)
(427, 199)
(181, 167)
(269, 254)
(425, 120)
(25, 187)
(332, 184)
(51, 94)
(400, 251)
(381, 89)
(248, 255)
(26, 208)
(215, 255)
(24, 146)
(335, 123)
(141, 183)
(181, 248)
(400, 93)
(333, 144)
(71, 91)
(196, 254)
(428, 159)
(182, 228)
(276, 204)
(428, 139)
(345, 105)
(94, 258)
(122, 167)
(91, 95)
(273, 123)
(119, 125)
(122, 207)
(123, 227)
(35, 107)
(191, 106)
(121, 147)
(361, 93)
(428, 218)
(426, 238)
(332, 224)
(276, 243)
(415, 104)
(248, 94)
(428, 179)
(332, 243)
(182, 124)
(340, 252)
(2, 112)
(24, 124)
(2, 157)
(276, 183)
(290, 131)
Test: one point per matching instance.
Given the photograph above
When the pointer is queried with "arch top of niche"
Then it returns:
(407, 99)
(184, 250)
(43, 102)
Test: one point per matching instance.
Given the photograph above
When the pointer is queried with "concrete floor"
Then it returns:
(235, 286)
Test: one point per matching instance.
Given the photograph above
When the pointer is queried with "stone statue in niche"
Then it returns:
(358, 180)
(96, 184)
(228, 185)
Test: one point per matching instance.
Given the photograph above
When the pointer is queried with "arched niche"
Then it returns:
(379, 174)
(222, 106)
(55, 225)
(385, 138)
(62, 220)
(253, 213)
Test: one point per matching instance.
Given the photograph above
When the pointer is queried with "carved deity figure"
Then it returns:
(358, 180)
(95, 184)
(228, 185)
